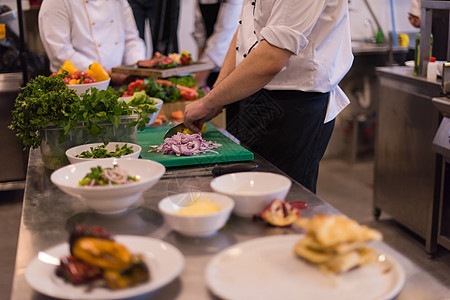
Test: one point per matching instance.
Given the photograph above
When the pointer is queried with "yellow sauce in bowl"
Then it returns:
(201, 207)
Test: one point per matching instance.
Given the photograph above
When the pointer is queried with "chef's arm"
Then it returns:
(230, 60)
(252, 74)
(255, 71)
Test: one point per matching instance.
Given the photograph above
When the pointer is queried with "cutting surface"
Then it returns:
(228, 152)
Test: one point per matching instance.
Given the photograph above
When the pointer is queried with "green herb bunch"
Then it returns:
(42, 102)
(48, 101)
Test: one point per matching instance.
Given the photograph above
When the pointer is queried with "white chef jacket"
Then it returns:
(317, 32)
(87, 31)
(216, 47)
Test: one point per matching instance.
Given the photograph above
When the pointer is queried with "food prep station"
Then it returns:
(48, 214)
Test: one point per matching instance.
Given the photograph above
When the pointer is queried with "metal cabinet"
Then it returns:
(406, 167)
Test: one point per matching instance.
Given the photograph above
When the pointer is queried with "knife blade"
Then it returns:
(174, 130)
(215, 170)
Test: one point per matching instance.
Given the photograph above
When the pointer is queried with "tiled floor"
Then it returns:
(348, 187)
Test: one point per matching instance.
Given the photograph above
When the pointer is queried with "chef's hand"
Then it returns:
(414, 20)
(199, 112)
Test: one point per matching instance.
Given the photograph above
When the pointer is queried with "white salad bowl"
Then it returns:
(74, 151)
(252, 192)
(111, 199)
(153, 116)
(82, 88)
(196, 225)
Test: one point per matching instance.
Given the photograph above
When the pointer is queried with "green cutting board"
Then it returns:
(228, 152)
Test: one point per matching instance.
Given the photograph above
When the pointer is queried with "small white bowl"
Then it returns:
(153, 116)
(196, 225)
(81, 88)
(74, 151)
(109, 199)
(251, 191)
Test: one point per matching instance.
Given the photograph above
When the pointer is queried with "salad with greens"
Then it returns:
(101, 152)
(107, 176)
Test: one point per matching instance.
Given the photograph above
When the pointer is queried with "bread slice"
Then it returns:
(335, 243)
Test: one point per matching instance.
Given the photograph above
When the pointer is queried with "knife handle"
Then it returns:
(233, 168)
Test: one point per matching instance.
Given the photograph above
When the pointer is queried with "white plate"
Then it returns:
(164, 261)
(267, 268)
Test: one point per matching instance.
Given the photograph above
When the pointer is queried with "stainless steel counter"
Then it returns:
(49, 214)
(406, 167)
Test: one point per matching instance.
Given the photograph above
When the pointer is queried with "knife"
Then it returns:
(215, 170)
(174, 130)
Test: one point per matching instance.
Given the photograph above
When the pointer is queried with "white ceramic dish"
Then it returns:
(251, 191)
(153, 116)
(164, 261)
(267, 268)
(81, 88)
(74, 151)
(199, 225)
(109, 199)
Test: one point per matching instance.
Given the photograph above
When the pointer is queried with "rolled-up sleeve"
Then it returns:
(286, 23)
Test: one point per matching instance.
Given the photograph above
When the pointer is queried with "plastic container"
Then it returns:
(54, 152)
(432, 69)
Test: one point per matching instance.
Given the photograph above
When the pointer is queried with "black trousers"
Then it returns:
(286, 128)
(163, 16)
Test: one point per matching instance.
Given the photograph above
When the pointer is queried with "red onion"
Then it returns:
(186, 144)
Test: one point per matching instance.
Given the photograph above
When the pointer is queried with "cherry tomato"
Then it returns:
(187, 95)
(77, 74)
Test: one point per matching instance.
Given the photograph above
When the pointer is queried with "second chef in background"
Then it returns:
(87, 31)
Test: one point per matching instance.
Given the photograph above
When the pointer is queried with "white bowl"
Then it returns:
(197, 225)
(251, 191)
(74, 151)
(81, 88)
(109, 199)
(153, 116)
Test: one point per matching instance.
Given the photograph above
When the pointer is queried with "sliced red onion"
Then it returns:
(186, 144)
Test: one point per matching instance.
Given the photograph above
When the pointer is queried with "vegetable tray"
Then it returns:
(228, 152)
(164, 73)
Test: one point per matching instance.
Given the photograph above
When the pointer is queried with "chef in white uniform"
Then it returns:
(282, 70)
(216, 22)
(87, 31)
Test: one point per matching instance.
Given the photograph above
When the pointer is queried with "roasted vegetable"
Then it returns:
(135, 274)
(102, 253)
(280, 213)
(75, 271)
(83, 230)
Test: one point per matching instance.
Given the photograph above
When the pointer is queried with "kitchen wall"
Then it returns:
(362, 25)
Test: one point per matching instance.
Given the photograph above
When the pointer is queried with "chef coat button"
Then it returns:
(245, 55)
(240, 21)
(99, 45)
(116, 43)
(253, 3)
(112, 21)
(237, 48)
(87, 1)
(93, 23)
(254, 32)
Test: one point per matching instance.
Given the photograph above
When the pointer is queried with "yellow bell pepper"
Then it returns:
(97, 72)
(188, 131)
(102, 253)
(68, 67)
